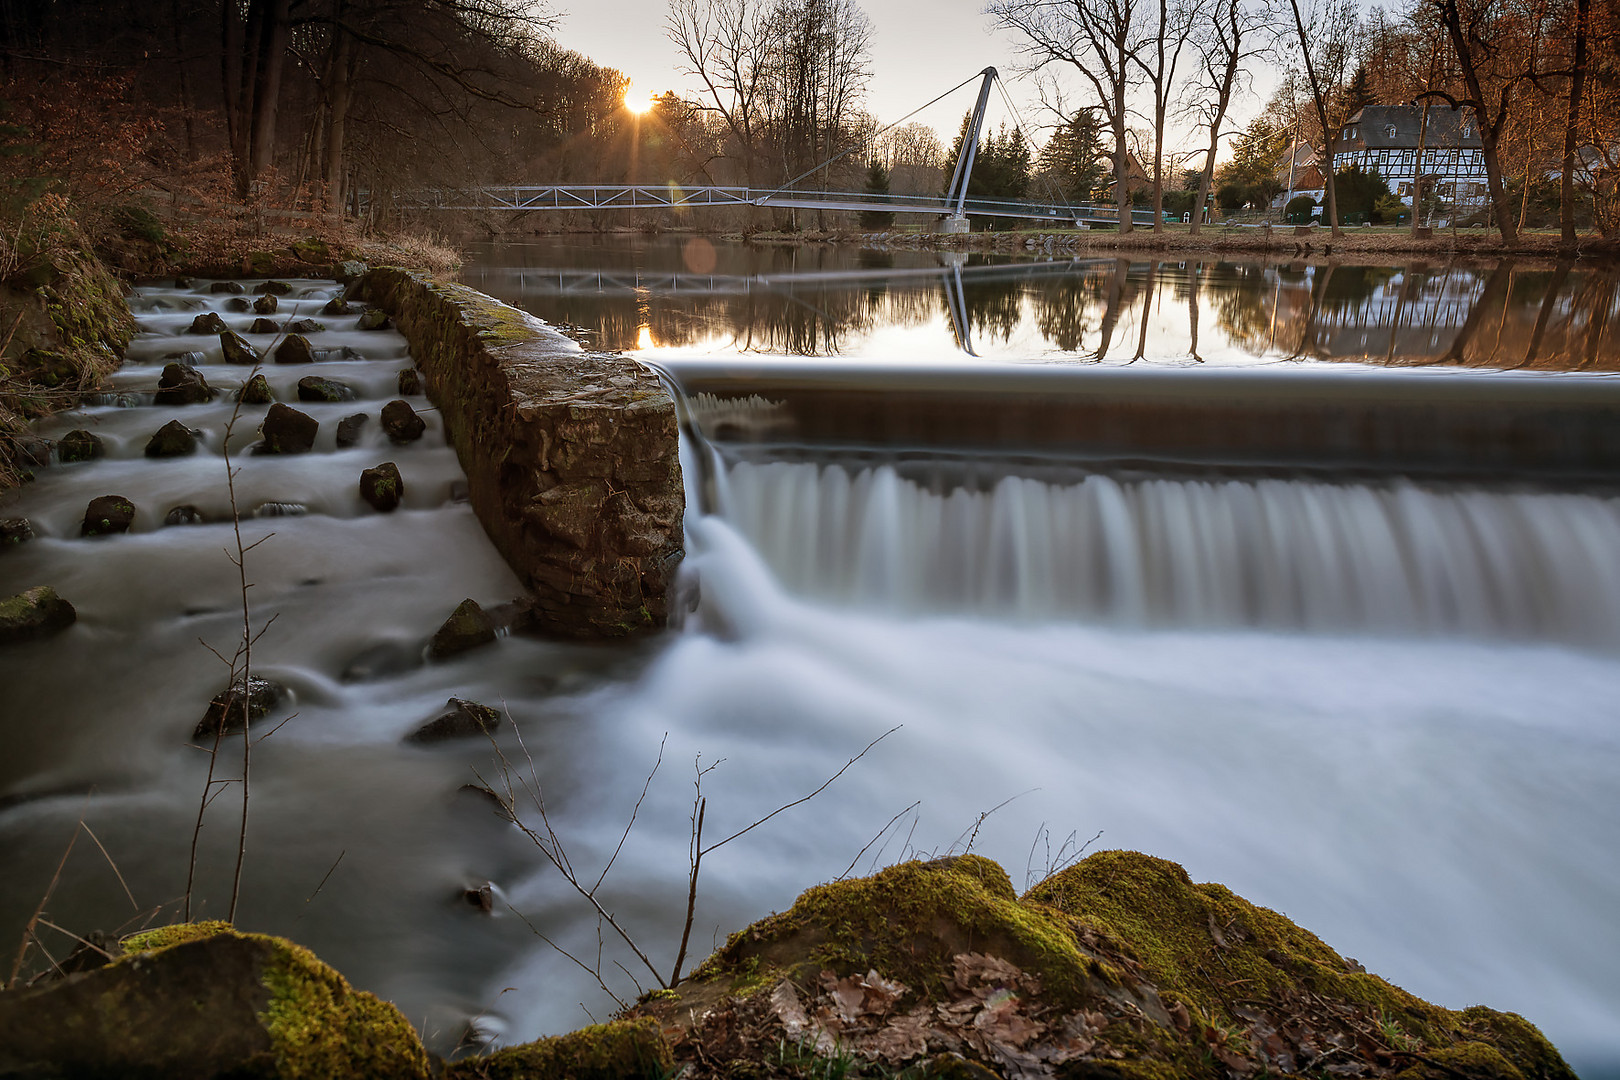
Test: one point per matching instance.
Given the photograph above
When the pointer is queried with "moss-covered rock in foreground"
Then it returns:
(1119, 966)
(623, 1050)
(201, 1000)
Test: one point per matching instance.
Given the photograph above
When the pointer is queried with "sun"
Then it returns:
(636, 104)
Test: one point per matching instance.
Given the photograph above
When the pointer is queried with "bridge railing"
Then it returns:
(542, 197)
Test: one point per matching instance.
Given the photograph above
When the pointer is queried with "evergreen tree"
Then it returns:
(877, 183)
(1359, 94)
(1074, 161)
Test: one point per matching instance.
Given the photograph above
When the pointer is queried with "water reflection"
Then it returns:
(825, 300)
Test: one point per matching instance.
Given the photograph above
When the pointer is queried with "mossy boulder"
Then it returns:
(410, 382)
(265, 305)
(294, 349)
(401, 421)
(311, 249)
(382, 487)
(467, 628)
(622, 1050)
(272, 288)
(239, 304)
(235, 349)
(256, 391)
(461, 719)
(306, 326)
(265, 326)
(173, 439)
(208, 322)
(185, 514)
(226, 288)
(108, 514)
(374, 319)
(204, 1000)
(337, 306)
(79, 445)
(1119, 966)
(318, 388)
(287, 431)
(181, 384)
(34, 613)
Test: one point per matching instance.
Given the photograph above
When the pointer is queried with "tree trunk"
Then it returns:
(272, 62)
(1228, 78)
(341, 88)
(1319, 100)
(1122, 155)
(1488, 130)
(1577, 87)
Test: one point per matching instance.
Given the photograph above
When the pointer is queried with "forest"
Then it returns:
(336, 107)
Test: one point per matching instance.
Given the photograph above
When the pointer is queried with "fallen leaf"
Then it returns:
(788, 1008)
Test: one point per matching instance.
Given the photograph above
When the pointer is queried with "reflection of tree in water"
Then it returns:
(1502, 315)
(1064, 307)
(995, 308)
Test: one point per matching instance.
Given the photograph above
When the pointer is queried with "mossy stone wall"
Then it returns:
(571, 457)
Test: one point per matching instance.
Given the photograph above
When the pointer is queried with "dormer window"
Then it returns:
(1389, 131)
(1468, 130)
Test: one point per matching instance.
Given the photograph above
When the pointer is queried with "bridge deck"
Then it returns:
(672, 197)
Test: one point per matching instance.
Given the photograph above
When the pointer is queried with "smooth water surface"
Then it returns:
(676, 297)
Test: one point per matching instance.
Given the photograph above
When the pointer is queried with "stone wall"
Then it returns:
(571, 457)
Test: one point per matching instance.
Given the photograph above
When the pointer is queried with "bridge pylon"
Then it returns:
(956, 195)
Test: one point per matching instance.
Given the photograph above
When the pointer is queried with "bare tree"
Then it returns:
(727, 44)
(1239, 31)
(1324, 41)
(1480, 35)
(1175, 24)
(1097, 38)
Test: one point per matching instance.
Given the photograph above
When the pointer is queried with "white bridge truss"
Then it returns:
(595, 197)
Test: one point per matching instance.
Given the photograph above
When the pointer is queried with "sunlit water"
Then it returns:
(1338, 698)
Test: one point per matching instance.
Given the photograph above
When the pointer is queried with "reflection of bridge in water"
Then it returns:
(951, 277)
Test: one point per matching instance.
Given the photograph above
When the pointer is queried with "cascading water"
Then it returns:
(1429, 778)
(1392, 556)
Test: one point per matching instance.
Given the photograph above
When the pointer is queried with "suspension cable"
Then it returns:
(1019, 120)
(880, 131)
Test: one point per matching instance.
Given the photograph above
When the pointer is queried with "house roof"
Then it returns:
(1396, 127)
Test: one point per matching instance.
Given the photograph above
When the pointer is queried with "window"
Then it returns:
(1389, 130)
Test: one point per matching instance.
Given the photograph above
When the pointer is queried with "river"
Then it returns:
(1378, 698)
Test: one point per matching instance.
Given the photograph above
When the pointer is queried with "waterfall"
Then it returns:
(1270, 553)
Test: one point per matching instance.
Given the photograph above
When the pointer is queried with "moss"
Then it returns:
(167, 936)
(1519, 1039)
(908, 922)
(1472, 1059)
(618, 1051)
(319, 1026)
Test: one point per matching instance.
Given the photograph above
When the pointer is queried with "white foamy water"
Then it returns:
(1189, 553)
(1444, 811)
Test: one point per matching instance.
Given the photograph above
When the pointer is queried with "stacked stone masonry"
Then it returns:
(571, 457)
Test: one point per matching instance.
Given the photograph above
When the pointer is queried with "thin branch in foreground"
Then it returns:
(880, 834)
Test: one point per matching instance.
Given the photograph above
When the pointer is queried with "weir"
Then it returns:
(1356, 660)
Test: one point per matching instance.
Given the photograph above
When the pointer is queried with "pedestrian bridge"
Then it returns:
(598, 197)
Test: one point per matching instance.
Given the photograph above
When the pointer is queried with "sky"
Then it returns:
(920, 49)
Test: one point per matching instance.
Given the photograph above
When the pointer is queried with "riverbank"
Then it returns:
(1371, 243)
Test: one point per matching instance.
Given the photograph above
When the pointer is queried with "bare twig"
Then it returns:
(972, 832)
(631, 823)
(880, 834)
(28, 930)
(97, 841)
